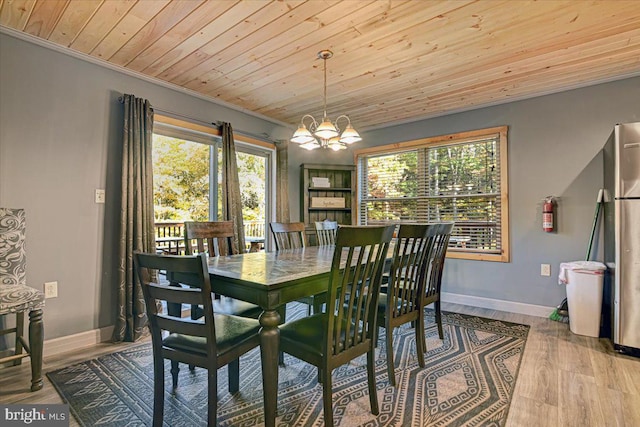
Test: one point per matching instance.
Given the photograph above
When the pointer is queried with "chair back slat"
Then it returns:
(176, 294)
(214, 237)
(288, 235)
(326, 232)
(441, 234)
(186, 326)
(354, 286)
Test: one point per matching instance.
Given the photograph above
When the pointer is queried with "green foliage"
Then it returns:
(181, 181)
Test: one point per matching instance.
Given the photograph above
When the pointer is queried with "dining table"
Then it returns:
(270, 280)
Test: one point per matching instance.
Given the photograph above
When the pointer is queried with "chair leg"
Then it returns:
(420, 345)
(318, 302)
(371, 377)
(212, 384)
(327, 397)
(175, 369)
(19, 334)
(390, 362)
(421, 327)
(282, 311)
(36, 337)
(234, 376)
(174, 309)
(439, 319)
(158, 391)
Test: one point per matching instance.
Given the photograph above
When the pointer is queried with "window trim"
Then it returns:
(456, 138)
(209, 130)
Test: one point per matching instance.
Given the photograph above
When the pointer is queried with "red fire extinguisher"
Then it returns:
(548, 214)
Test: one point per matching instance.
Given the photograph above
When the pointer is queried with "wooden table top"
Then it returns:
(273, 269)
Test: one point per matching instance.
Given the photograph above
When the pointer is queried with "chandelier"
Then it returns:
(325, 134)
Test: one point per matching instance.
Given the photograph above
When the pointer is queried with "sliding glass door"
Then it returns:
(188, 181)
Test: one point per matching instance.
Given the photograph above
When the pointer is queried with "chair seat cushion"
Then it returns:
(18, 298)
(383, 302)
(230, 330)
(306, 333)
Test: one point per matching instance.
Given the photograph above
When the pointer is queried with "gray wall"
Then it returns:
(60, 135)
(60, 139)
(554, 149)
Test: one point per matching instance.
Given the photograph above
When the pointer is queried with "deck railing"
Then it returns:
(169, 235)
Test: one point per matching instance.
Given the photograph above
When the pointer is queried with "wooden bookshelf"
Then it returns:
(342, 185)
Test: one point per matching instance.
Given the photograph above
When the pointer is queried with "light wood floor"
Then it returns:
(564, 379)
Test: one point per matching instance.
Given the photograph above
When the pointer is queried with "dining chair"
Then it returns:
(16, 297)
(288, 235)
(326, 232)
(217, 341)
(402, 301)
(347, 328)
(217, 239)
(441, 234)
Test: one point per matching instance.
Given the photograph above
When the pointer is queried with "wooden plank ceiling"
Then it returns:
(394, 61)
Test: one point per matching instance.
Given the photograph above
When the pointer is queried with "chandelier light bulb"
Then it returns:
(335, 144)
(326, 130)
(350, 135)
(311, 145)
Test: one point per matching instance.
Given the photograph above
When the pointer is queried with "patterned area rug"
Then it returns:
(468, 380)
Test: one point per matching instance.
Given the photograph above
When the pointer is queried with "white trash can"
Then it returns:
(584, 280)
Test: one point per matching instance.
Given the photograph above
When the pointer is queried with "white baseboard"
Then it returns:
(60, 345)
(496, 304)
(85, 339)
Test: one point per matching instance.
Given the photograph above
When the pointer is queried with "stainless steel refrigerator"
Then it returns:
(622, 235)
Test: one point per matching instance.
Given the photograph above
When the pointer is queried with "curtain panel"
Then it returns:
(136, 216)
(231, 198)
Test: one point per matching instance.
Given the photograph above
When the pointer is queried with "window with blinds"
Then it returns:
(459, 178)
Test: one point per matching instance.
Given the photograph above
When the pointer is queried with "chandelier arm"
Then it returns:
(312, 125)
(342, 116)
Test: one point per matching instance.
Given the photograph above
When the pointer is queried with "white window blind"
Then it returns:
(450, 180)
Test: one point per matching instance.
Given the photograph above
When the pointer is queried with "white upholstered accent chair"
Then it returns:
(16, 298)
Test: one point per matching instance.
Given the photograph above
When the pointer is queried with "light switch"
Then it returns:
(100, 195)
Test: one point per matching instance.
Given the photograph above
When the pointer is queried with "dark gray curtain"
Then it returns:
(231, 199)
(136, 216)
(282, 181)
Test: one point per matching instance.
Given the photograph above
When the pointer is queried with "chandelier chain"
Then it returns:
(325, 86)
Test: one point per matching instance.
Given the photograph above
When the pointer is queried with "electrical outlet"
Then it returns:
(51, 289)
(545, 269)
(100, 195)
